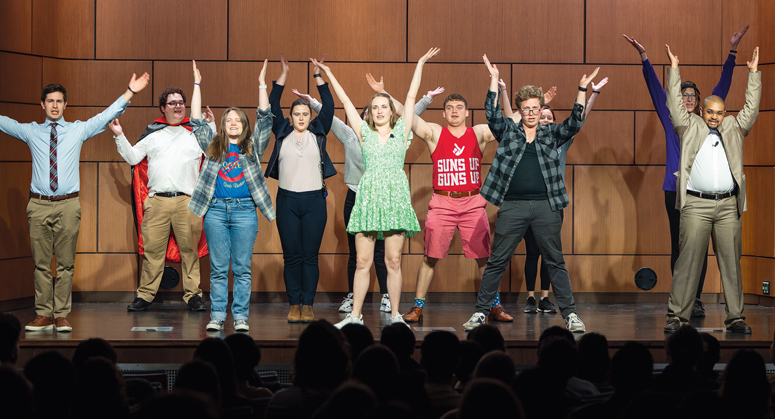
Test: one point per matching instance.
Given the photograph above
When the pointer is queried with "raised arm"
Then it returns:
(595, 93)
(679, 116)
(581, 98)
(414, 87)
(504, 94)
(131, 155)
(196, 97)
(657, 93)
(262, 129)
(495, 120)
(99, 122)
(753, 95)
(379, 87)
(277, 94)
(353, 116)
(722, 88)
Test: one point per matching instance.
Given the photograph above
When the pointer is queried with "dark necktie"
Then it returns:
(52, 155)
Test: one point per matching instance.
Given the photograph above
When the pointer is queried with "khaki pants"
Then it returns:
(161, 214)
(701, 219)
(53, 226)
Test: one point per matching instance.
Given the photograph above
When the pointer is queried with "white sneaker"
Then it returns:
(215, 325)
(350, 319)
(347, 304)
(574, 324)
(241, 325)
(385, 304)
(399, 319)
(476, 320)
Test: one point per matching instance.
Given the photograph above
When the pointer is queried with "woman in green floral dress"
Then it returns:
(383, 207)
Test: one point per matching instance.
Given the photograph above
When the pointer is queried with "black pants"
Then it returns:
(531, 263)
(379, 250)
(514, 218)
(301, 221)
(675, 221)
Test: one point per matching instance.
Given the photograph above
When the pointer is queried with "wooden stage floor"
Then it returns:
(618, 322)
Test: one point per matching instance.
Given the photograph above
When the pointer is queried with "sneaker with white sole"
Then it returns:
(574, 324)
(398, 318)
(347, 304)
(384, 305)
(241, 325)
(215, 325)
(475, 321)
(350, 319)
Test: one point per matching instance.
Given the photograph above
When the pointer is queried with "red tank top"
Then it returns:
(457, 162)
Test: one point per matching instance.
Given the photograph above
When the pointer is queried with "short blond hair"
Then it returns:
(528, 92)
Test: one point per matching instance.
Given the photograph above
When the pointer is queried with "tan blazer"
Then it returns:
(692, 131)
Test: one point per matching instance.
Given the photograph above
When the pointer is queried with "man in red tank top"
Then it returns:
(456, 151)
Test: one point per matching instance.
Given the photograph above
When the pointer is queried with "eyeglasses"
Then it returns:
(176, 104)
(529, 111)
(689, 97)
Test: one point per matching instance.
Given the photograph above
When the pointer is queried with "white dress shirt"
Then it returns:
(710, 170)
(174, 158)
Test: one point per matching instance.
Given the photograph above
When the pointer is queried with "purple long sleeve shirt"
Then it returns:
(659, 99)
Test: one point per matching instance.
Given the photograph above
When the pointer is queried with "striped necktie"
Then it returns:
(52, 155)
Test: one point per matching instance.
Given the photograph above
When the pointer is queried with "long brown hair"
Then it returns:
(220, 144)
(393, 118)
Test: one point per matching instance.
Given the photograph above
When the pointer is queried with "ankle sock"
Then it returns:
(497, 300)
(419, 302)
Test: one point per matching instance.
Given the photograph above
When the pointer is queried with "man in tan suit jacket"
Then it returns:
(711, 194)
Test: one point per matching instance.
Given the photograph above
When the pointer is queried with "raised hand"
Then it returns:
(262, 74)
(738, 36)
(428, 55)
(284, 64)
(635, 44)
(549, 95)
(586, 80)
(754, 63)
(492, 68)
(376, 86)
(316, 70)
(501, 84)
(673, 58)
(597, 87)
(138, 84)
(209, 115)
(319, 64)
(308, 98)
(432, 93)
(197, 74)
(116, 127)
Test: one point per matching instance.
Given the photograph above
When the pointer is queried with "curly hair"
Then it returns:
(169, 91)
(528, 92)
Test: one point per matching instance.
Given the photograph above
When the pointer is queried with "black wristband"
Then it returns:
(596, 91)
(130, 89)
(733, 51)
(317, 75)
(583, 89)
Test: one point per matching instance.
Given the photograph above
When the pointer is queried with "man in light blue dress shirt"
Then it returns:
(54, 210)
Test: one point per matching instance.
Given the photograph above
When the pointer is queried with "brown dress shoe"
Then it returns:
(40, 323)
(306, 314)
(62, 325)
(414, 315)
(672, 325)
(739, 327)
(294, 315)
(499, 315)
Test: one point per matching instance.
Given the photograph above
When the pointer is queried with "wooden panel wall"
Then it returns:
(616, 221)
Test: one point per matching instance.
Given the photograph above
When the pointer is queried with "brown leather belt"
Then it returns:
(457, 194)
(53, 198)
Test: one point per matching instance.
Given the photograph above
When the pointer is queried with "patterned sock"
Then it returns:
(497, 301)
(419, 302)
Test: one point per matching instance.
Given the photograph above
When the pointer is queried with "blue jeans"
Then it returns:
(230, 227)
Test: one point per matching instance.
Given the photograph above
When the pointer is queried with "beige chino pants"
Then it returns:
(54, 228)
(161, 214)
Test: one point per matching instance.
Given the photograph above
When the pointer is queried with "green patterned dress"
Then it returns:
(383, 202)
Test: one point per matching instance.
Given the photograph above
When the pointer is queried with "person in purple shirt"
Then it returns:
(691, 96)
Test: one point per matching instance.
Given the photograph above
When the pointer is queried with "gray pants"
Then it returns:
(514, 218)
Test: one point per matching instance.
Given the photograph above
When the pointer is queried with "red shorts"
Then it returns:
(467, 214)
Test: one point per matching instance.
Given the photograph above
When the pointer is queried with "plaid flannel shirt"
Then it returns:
(512, 144)
(251, 167)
